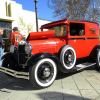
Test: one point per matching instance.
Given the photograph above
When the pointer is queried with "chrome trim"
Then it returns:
(84, 65)
(17, 74)
(13, 48)
(23, 42)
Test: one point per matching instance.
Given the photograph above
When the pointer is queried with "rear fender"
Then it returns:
(97, 49)
(93, 53)
(31, 61)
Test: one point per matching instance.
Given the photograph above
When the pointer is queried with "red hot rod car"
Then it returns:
(66, 45)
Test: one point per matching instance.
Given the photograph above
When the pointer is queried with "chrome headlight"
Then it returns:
(28, 48)
(13, 48)
(24, 47)
(23, 42)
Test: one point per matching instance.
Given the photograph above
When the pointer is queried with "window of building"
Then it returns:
(7, 27)
(77, 29)
(8, 9)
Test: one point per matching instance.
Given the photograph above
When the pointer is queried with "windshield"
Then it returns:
(60, 30)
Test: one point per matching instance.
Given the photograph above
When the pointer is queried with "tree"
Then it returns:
(23, 27)
(94, 10)
(75, 9)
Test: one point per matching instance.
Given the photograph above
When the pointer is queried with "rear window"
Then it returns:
(77, 29)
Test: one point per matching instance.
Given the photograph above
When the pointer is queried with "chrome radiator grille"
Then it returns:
(22, 56)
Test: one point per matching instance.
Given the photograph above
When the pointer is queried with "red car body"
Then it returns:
(63, 45)
(45, 41)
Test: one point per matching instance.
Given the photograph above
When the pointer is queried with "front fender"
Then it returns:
(7, 56)
(39, 56)
(31, 61)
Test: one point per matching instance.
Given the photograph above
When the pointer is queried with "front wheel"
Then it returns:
(43, 73)
(98, 60)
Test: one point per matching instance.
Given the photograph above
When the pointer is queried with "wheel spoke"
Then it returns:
(69, 58)
(45, 72)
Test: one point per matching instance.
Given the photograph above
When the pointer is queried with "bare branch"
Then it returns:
(75, 9)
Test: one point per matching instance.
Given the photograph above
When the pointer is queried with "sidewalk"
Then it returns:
(83, 85)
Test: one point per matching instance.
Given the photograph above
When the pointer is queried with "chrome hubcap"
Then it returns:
(46, 72)
(70, 57)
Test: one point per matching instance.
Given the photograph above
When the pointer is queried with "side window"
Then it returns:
(60, 30)
(64, 30)
(77, 29)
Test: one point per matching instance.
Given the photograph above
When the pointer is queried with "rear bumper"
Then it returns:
(17, 74)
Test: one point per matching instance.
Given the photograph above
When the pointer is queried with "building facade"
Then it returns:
(12, 14)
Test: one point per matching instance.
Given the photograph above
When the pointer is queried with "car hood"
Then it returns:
(41, 35)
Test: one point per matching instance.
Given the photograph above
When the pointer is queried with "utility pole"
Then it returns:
(36, 14)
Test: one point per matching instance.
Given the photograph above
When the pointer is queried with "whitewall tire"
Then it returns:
(68, 57)
(43, 73)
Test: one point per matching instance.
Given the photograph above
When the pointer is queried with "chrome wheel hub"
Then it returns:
(46, 72)
(70, 58)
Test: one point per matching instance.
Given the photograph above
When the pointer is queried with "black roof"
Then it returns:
(82, 20)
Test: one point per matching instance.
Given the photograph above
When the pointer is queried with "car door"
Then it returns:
(77, 39)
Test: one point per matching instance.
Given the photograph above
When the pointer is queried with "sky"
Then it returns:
(44, 12)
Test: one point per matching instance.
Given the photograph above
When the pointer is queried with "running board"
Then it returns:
(25, 75)
(17, 74)
(84, 65)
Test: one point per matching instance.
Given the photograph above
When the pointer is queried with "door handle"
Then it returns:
(85, 38)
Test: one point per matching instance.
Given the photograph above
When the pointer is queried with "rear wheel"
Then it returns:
(98, 60)
(68, 57)
(43, 73)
